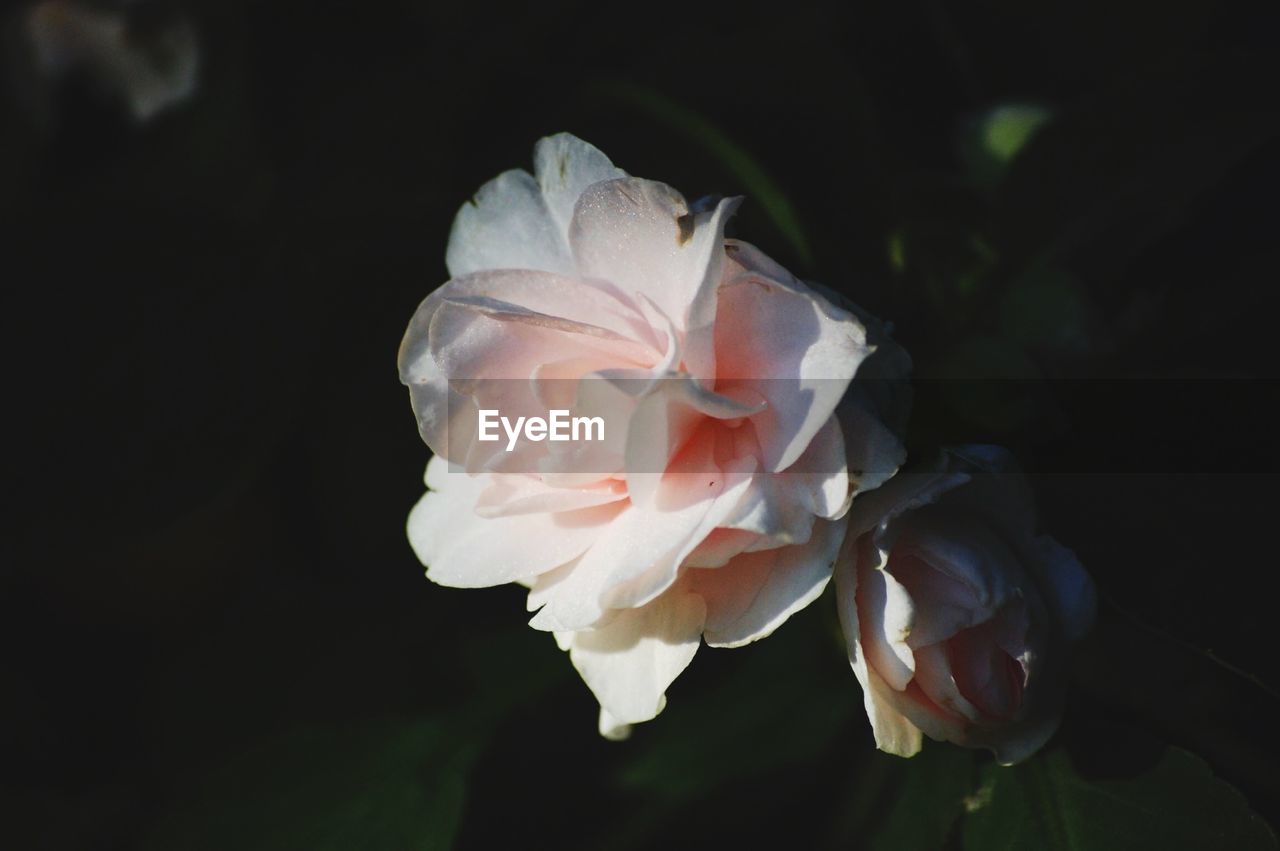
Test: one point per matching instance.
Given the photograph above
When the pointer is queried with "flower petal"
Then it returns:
(894, 733)
(793, 349)
(641, 555)
(565, 166)
(748, 601)
(519, 221)
(641, 235)
(507, 225)
(629, 663)
(519, 494)
(446, 417)
(1068, 591)
(935, 678)
(887, 616)
(463, 550)
(611, 728)
(957, 571)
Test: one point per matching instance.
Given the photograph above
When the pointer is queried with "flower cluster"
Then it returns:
(749, 449)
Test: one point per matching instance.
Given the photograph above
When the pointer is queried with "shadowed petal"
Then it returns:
(629, 662)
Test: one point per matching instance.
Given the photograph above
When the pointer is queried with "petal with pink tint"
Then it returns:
(755, 593)
(933, 674)
(937, 722)
(646, 544)
(781, 508)
(482, 338)
(795, 350)
(521, 494)
(719, 547)
(447, 418)
(640, 235)
(663, 422)
(989, 677)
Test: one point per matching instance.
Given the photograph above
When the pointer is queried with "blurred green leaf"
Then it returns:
(763, 189)
(933, 794)
(992, 384)
(893, 803)
(782, 708)
(1045, 804)
(994, 140)
(379, 786)
(1116, 172)
(782, 701)
(1046, 310)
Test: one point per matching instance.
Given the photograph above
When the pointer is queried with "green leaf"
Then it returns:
(1046, 311)
(1045, 804)
(995, 139)
(932, 797)
(1116, 172)
(778, 710)
(376, 786)
(762, 188)
(785, 699)
(894, 803)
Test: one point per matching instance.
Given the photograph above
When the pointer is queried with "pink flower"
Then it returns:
(957, 614)
(709, 510)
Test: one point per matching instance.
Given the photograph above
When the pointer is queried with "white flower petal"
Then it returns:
(565, 166)
(791, 578)
(629, 663)
(894, 733)
(887, 618)
(463, 550)
(521, 494)
(507, 226)
(613, 729)
(640, 235)
(874, 453)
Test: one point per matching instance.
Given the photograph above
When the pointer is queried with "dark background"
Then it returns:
(216, 634)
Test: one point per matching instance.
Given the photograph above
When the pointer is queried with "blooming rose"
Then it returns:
(957, 614)
(709, 510)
